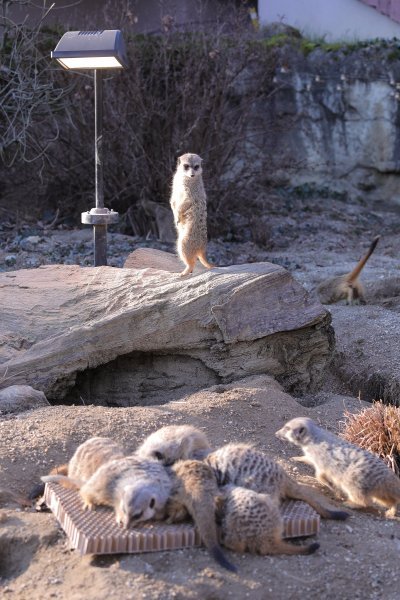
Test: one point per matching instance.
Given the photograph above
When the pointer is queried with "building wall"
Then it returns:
(335, 20)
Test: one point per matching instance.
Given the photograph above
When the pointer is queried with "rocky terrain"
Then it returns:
(314, 235)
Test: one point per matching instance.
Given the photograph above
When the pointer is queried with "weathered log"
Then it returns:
(221, 325)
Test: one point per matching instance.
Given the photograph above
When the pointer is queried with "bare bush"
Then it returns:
(30, 93)
(376, 429)
(196, 91)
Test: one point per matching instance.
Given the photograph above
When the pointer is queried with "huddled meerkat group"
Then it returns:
(232, 493)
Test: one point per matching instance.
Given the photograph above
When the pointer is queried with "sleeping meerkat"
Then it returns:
(194, 492)
(189, 206)
(246, 466)
(137, 489)
(87, 458)
(173, 442)
(251, 521)
(346, 287)
(360, 475)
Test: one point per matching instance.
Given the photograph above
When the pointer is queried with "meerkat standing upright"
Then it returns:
(189, 206)
(360, 475)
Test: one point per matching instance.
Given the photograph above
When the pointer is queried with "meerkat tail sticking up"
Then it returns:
(189, 206)
(360, 475)
(346, 287)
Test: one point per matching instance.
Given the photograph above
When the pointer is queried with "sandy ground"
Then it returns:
(356, 559)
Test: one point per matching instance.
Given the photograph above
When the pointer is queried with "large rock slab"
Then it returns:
(367, 356)
(215, 326)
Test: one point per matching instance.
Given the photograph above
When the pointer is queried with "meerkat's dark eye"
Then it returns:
(137, 515)
(301, 431)
(152, 503)
(186, 167)
(158, 456)
(196, 167)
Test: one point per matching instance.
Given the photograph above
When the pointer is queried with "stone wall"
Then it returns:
(336, 116)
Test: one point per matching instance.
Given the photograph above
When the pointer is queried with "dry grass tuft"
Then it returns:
(376, 429)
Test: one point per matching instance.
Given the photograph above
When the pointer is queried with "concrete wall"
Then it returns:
(335, 20)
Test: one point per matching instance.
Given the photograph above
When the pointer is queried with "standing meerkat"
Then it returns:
(251, 521)
(136, 488)
(346, 287)
(174, 442)
(360, 475)
(189, 206)
(246, 466)
(195, 492)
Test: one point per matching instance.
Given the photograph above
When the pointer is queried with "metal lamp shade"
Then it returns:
(103, 49)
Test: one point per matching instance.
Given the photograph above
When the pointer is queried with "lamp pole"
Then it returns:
(100, 230)
(95, 50)
(99, 216)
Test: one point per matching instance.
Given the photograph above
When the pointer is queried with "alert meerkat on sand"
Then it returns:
(346, 287)
(174, 442)
(137, 489)
(189, 206)
(245, 466)
(194, 492)
(251, 521)
(362, 477)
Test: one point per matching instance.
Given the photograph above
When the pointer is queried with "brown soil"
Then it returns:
(314, 238)
(357, 558)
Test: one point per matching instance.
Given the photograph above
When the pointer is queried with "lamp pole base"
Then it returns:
(100, 218)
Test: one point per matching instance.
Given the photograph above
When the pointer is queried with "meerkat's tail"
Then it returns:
(361, 263)
(203, 513)
(202, 258)
(220, 558)
(38, 489)
(67, 482)
(283, 547)
(299, 491)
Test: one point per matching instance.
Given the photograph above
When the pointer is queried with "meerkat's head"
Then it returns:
(173, 442)
(165, 453)
(139, 502)
(189, 165)
(298, 431)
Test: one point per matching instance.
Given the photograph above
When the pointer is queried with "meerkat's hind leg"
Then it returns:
(189, 262)
(299, 491)
(202, 258)
(350, 295)
(388, 500)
